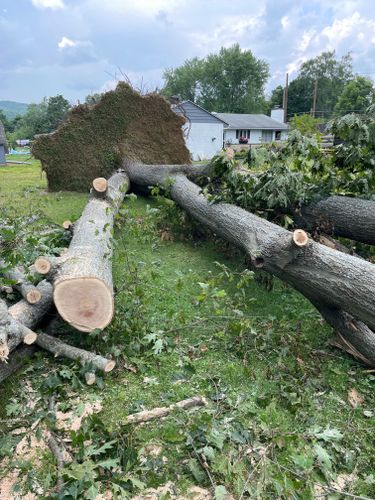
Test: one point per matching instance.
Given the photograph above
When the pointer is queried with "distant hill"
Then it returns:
(13, 108)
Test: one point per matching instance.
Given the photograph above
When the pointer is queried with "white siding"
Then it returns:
(203, 140)
(255, 136)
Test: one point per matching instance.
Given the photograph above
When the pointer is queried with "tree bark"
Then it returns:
(25, 316)
(28, 291)
(59, 348)
(351, 218)
(164, 411)
(341, 281)
(82, 277)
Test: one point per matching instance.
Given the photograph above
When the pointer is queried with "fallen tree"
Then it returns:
(340, 285)
(82, 276)
(351, 218)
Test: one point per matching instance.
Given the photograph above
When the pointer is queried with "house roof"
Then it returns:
(195, 113)
(244, 121)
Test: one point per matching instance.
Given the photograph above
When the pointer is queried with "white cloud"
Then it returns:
(230, 30)
(49, 4)
(307, 37)
(285, 22)
(66, 42)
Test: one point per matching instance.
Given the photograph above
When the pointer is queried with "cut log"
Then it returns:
(100, 186)
(67, 224)
(351, 218)
(59, 348)
(341, 281)
(22, 284)
(82, 278)
(164, 411)
(17, 359)
(28, 315)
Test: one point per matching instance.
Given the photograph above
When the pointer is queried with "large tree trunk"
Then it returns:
(82, 277)
(351, 218)
(337, 280)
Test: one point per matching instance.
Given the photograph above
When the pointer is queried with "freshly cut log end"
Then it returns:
(300, 238)
(42, 265)
(85, 303)
(6, 289)
(100, 184)
(109, 366)
(34, 296)
(30, 338)
(90, 378)
(67, 224)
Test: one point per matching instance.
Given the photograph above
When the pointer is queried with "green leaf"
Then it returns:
(220, 492)
(329, 435)
(196, 470)
(323, 457)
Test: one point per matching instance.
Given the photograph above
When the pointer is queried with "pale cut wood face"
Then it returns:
(85, 303)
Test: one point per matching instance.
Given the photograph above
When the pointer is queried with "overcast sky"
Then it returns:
(77, 47)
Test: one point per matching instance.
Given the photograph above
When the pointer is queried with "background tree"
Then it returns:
(306, 124)
(40, 118)
(57, 109)
(356, 97)
(331, 74)
(231, 81)
(277, 97)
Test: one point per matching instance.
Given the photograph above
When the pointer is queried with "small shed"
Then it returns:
(3, 143)
(203, 131)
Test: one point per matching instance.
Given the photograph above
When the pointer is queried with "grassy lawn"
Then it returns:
(189, 321)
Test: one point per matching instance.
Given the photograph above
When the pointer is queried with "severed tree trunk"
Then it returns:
(339, 281)
(351, 218)
(82, 277)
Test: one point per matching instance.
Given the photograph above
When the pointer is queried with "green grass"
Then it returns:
(278, 420)
(24, 187)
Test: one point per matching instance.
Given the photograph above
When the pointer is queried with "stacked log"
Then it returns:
(79, 283)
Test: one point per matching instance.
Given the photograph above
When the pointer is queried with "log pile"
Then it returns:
(79, 281)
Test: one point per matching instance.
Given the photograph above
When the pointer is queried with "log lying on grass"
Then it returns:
(82, 277)
(351, 218)
(339, 281)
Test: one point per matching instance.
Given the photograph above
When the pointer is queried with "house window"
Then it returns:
(243, 133)
(278, 135)
(267, 135)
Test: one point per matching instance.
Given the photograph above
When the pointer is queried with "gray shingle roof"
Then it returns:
(3, 140)
(244, 121)
(195, 113)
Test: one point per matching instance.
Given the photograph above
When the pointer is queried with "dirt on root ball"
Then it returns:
(96, 137)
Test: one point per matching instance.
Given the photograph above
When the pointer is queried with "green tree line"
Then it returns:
(233, 81)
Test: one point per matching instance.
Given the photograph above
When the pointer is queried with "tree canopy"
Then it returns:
(40, 118)
(356, 97)
(331, 75)
(231, 81)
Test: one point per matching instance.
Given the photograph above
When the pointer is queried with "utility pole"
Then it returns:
(313, 111)
(285, 99)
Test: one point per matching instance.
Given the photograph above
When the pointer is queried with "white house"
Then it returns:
(254, 129)
(203, 131)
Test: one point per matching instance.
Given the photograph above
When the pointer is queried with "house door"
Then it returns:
(267, 135)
